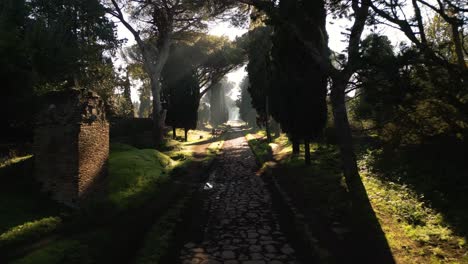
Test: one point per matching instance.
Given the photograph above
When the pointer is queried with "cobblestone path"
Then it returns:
(241, 227)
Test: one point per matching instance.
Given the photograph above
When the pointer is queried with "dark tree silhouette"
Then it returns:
(181, 91)
(301, 86)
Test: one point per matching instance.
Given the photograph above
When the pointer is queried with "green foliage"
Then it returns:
(286, 81)
(419, 147)
(30, 231)
(196, 65)
(416, 206)
(410, 102)
(219, 113)
(440, 34)
(258, 46)
(69, 39)
(50, 45)
(383, 85)
(181, 89)
(15, 69)
(215, 57)
(299, 85)
(244, 103)
(415, 229)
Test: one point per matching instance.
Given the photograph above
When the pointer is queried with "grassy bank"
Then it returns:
(26, 213)
(140, 189)
(415, 231)
(135, 174)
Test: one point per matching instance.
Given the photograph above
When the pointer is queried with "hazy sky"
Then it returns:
(225, 29)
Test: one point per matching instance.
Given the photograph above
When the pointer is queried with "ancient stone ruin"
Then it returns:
(71, 145)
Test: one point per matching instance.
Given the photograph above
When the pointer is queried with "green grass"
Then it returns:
(214, 148)
(64, 251)
(416, 232)
(194, 136)
(30, 231)
(26, 214)
(135, 177)
(159, 238)
(263, 151)
(134, 174)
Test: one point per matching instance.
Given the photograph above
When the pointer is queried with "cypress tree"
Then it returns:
(300, 87)
(181, 91)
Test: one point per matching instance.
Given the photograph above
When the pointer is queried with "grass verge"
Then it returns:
(139, 180)
(158, 240)
(416, 233)
(263, 151)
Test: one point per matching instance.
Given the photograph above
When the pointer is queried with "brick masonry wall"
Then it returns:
(56, 161)
(93, 149)
(71, 145)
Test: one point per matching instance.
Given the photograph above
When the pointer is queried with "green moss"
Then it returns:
(65, 251)
(135, 173)
(30, 230)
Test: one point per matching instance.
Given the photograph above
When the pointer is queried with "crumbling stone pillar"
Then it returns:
(71, 145)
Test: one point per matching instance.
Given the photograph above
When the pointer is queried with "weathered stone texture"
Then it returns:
(93, 149)
(56, 151)
(71, 145)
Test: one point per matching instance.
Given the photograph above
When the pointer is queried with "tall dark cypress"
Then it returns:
(181, 92)
(300, 89)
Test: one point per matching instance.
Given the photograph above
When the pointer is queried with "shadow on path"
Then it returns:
(233, 220)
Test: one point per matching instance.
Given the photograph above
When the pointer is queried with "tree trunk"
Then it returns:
(154, 57)
(344, 137)
(216, 106)
(174, 133)
(367, 230)
(158, 115)
(127, 94)
(154, 71)
(276, 129)
(267, 120)
(295, 146)
(186, 134)
(307, 152)
(458, 47)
